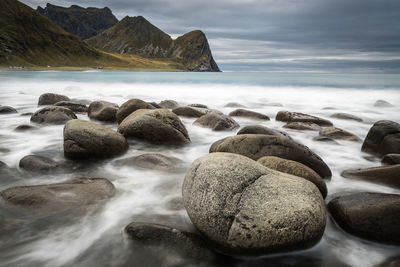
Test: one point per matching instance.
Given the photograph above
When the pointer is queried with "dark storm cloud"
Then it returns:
(264, 34)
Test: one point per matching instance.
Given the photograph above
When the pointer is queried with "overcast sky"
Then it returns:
(278, 35)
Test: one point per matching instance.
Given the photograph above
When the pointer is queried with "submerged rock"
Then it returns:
(7, 110)
(303, 126)
(339, 134)
(391, 159)
(74, 106)
(36, 163)
(51, 99)
(84, 139)
(170, 104)
(256, 146)
(382, 104)
(217, 122)
(157, 126)
(373, 216)
(153, 161)
(258, 129)
(130, 106)
(325, 139)
(248, 114)
(234, 105)
(383, 138)
(246, 208)
(287, 116)
(53, 115)
(25, 127)
(346, 116)
(102, 111)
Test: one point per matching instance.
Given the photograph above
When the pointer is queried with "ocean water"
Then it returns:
(96, 237)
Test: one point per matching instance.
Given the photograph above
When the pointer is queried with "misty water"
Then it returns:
(95, 236)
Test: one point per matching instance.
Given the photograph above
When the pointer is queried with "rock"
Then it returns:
(345, 116)
(130, 106)
(51, 99)
(258, 129)
(74, 193)
(27, 114)
(234, 105)
(34, 163)
(7, 110)
(169, 104)
(296, 169)
(217, 122)
(85, 102)
(198, 106)
(246, 208)
(153, 161)
(329, 108)
(84, 139)
(325, 139)
(303, 126)
(157, 126)
(382, 104)
(387, 175)
(102, 111)
(256, 146)
(174, 241)
(391, 159)
(383, 138)
(74, 106)
(25, 127)
(248, 114)
(155, 105)
(187, 111)
(53, 115)
(287, 116)
(339, 134)
(373, 216)
(273, 104)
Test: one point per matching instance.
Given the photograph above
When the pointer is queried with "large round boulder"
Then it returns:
(51, 99)
(35, 163)
(258, 129)
(256, 146)
(102, 111)
(373, 216)
(157, 126)
(248, 114)
(246, 208)
(383, 138)
(287, 116)
(84, 139)
(339, 134)
(217, 122)
(296, 169)
(130, 106)
(74, 106)
(53, 115)
(153, 161)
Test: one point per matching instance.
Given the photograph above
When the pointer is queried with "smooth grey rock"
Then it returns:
(217, 122)
(53, 115)
(51, 99)
(7, 110)
(287, 116)
(169, 104)
(130, 106)
(198, 106)
(382, 104)
(234, 105)
(325, 139)
(103, 111)
(310, 126)
(258, 129)
(74, 106)
(34, 163)
(191, 112)
(25, 127)
(248, 114)
(383, 138)
(339, 134)
(153, 161)
(346, 116)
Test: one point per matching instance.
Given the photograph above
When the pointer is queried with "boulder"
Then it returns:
(234, 105)
(84, 139)
(339, 134)
(303, 126)
(7, 110)
(71, 194)
(102, 111)
(382, 104)
(387, 175)
(53, 115)
(373, 216)
(248, 114)
(74, 106)
(324, 139)
(34, 163)
(256, 146)
(25, 127)
(155, 105)
(157, 126)
(51, 99)
(217, 122)
(153, 161)
(383, 138)
(169, 104)
(391, 159)
(296, 169)
(287, 116)
(130, 106)
(258, 129)
(191, 112)
(346, 116)
(246, 208)
(198, 106)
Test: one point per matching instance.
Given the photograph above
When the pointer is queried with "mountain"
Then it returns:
(83, 22)
(136, 35)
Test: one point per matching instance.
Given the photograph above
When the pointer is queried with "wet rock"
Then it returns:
(325, 139)
(27, 114)
(387, 175)
(130, 106)
(157, 126)
(103, 111)
(391, 159)
(234, 105)
(84, 139)
(74, 106)
(310, 126)
(51, 99)
(248, 114)
(383, 138)
(153, 161)
(7, 110)
(382, 104)
(198, 106)
(256, 146)
(296, 169)
(287, 116)
(258, 129)
(339, 134)
(346, 116)
(246, 208)
(25, 127)
(53, 115)
(169, 104)
(217, 122)
(155, 105)
(34, 163)
(74, 193)
(191, 112)
(373, 216)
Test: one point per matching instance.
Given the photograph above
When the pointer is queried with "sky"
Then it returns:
(277, 35)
